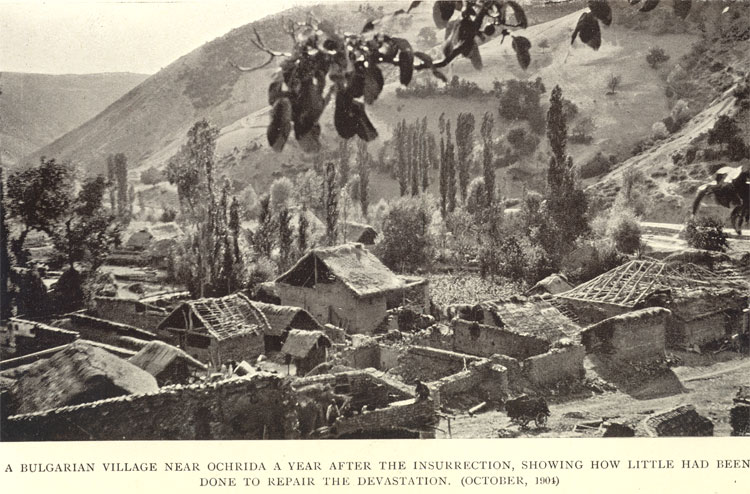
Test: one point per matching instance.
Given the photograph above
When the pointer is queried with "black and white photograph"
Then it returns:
(301, 219)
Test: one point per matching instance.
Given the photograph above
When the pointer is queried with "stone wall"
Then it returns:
(430, 364)
(130, 312)
(592, 312)
(479, 339)
(698, 332)
(637, 335)
(558, 364)
(405, 414)
(238, 408)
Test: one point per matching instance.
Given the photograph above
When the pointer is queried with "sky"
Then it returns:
(144, 36)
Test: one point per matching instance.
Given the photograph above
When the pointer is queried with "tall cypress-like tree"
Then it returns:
(567, 204)
(330, 202)
(402, 163)
(488, 165)
(364, 161)
(424, 147)
(5, 310)
(285, 238)
(302, 231)
(464, 143)
(450, 169)
(414, 157)
(443, 168)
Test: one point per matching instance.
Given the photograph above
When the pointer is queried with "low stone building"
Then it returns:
(306, 349)
(346, 286)
(282, 319)
(642, 283)
(519, 327)
(218, 330)
(700, 317)
(168, 364)
(637, 335)
(79, 373)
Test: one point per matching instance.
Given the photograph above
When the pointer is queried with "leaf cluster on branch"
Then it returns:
(351, 61)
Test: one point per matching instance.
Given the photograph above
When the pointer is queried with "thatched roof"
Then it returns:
(629, 284)
(359, 232)
(146, 236)
(552, 284)
(157, 355)
(222, 318)
(300, 343)
(355, 266)
(531, 315)
(283, 317)
(78, 374)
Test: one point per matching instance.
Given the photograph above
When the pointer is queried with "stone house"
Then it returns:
(637, 335)
(306, 349)
(168, 364)
(346, 286)
(218, 330)
(700, 317)
(282, 319)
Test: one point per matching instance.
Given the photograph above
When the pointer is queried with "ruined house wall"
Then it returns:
(233, 409)
(431, 364)
(389, 356)
(485, 341)
(592, 312)
(361, 382)
(697, 332)
(403, 414)
(556, 365)
(637, 335)
(348, 312)
(245, 347)
(362, 357)
(127, 312)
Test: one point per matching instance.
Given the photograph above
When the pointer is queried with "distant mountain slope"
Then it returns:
(36, 109)
(200, 84)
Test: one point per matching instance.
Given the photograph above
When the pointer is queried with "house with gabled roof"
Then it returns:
(218, 330)
(346, 286)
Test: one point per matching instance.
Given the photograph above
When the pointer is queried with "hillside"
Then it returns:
(149, 123)
(36, 109)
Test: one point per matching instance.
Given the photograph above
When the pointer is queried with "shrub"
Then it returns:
(706, 234)
(581, 132)
(520, 100)
(737, 150)
(655, 57)
(598, 165)
(523, 142)
(659, 130)
(427, 36)
(624, 230)
(168, 215)
(407, 243)
(281, 191)
(152, 176)
(613, 83)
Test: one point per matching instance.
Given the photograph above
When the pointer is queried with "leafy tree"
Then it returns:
(281, 192)
(331, 204)
(407, 243)
(544, 44)
(205, 263)
(522, 142)
(87, 232)
(706, 234)
(464, 144)
(724, 131)
(656, 56)
(581, 132)
(38, 198)
(613, 83)
(152, 176)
